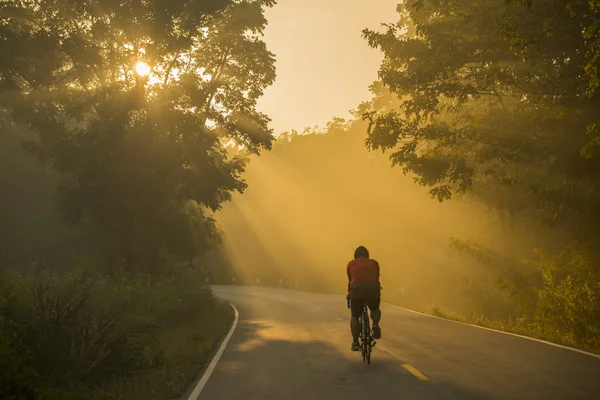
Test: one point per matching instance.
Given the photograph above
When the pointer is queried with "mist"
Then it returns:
(315, 197)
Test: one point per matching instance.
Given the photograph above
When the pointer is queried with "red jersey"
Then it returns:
(362, 270)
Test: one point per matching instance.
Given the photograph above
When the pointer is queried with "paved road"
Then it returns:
(295, 345)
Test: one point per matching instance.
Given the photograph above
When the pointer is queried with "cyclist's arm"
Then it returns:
(349, 275)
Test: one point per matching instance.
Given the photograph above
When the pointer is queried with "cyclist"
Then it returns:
(363, 287)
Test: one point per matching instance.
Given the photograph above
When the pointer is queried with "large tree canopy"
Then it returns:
(134, 103)
(501, 91)
(500, 98)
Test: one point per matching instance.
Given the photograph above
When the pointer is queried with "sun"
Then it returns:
(142, 68)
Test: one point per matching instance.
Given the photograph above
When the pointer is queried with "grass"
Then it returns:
(520, 326)
(187, 348)
(85, 335)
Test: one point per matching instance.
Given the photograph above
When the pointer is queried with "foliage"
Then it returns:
(498, 101)
(81, 334)
(553, 296)
(495, 92)
(569, 300)
(142, 157)
(30, 228)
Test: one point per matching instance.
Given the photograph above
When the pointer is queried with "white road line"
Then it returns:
(587, 353)
(198, 389)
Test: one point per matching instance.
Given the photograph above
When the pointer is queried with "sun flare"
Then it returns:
(142, 68)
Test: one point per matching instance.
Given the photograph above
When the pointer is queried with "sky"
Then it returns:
(324, 66)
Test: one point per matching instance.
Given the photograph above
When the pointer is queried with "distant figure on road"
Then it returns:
(233, 280)
(363, 287)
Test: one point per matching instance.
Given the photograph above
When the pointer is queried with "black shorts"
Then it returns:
(356, 306)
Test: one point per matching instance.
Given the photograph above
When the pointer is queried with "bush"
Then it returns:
(84, 334)
(569, 299)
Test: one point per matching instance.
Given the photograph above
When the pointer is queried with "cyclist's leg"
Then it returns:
(356, 307)
(375, 316)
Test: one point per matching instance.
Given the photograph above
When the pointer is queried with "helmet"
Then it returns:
(361, 251)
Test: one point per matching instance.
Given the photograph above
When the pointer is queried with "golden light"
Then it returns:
(142, 68)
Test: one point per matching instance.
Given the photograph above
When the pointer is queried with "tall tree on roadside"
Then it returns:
(503, 97)
(499, 91)
(133, 102)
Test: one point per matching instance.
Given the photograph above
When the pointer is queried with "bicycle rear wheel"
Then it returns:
(366, 337)
(362, 340)
(369, 343)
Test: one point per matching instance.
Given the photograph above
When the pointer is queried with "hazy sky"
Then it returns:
(324, 66)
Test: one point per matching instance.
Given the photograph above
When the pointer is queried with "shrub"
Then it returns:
(83, 334)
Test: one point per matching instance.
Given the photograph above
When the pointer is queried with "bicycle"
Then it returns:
(367, 341)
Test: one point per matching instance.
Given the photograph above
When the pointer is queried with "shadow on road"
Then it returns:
(275, 361)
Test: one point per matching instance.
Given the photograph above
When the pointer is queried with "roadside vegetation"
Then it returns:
(115, 118)
(84, 335)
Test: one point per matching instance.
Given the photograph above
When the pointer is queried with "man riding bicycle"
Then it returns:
(363, 288)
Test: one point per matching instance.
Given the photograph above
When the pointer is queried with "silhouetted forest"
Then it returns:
(134, 164)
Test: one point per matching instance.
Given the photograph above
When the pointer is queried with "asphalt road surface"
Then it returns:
(296, 345)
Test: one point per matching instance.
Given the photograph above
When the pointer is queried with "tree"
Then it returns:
(133, 103)
(30, 230)
(500, 99)
(494, 92)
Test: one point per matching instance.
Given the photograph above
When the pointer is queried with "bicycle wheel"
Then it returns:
(362, 340)
(369, 342)
(366, 336)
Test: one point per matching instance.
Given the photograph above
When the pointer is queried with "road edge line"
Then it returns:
(211, 367)
(587, 353)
